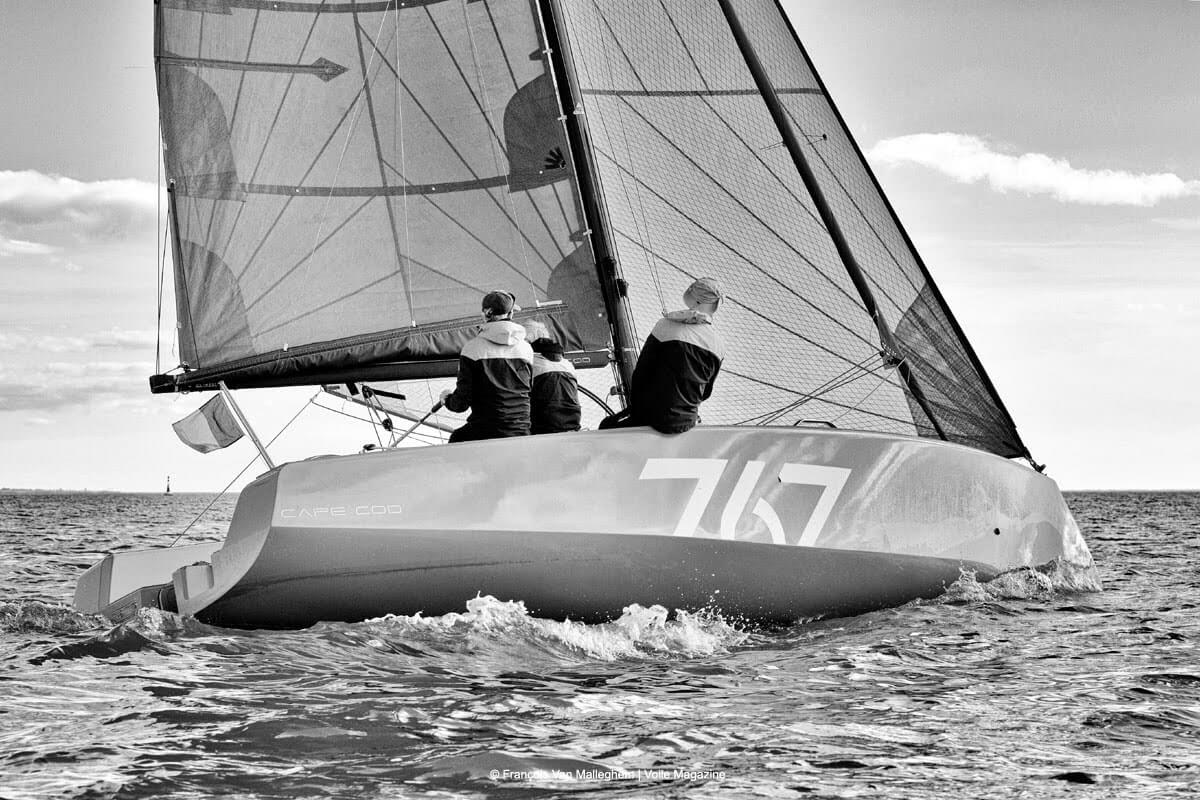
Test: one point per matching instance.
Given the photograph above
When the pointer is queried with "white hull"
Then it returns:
(770, 524)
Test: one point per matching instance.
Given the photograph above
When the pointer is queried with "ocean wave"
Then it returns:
(121, 640)
(639, 632)
(34, 616)
(1025, 583)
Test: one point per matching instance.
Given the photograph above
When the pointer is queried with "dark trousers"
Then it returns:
(477, 433)
(626, 419)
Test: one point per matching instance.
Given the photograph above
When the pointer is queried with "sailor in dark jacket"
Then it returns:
(554, 402)
(495, 374)
(678, 365)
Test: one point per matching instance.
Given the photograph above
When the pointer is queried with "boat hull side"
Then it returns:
(839, 521)
(306, 576)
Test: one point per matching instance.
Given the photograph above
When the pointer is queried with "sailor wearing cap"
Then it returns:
(495, 373)
(678, 365)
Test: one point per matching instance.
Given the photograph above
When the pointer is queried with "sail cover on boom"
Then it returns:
(695, 181)
(349, 178)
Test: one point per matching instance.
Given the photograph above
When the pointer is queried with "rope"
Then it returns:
(839, 381)
(641, 228)
(159, 245)
(213, 502)
(500, 160)
(342, 156)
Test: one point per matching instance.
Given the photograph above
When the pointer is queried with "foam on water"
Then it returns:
(639, 632)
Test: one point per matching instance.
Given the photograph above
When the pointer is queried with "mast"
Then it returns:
(612, 285)
(782, 123)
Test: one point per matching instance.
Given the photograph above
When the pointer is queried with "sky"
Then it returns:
(1042, 155)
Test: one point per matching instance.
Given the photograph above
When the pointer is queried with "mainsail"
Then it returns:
(348, 178)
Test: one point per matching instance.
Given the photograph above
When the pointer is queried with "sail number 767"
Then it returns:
(707, 472)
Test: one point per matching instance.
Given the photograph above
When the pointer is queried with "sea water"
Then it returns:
(1032, 686)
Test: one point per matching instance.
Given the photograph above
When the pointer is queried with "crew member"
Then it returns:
(678, 365)
(554, 403)
(495, 374)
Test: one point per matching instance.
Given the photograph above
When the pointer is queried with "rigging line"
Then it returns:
(415, 435)
(237, 101)
(753, 265)
(354, 104)
(842, 379)
(644, 230)
(401, 256)
(497, 140)
(906, 423)
(763, 317)
(257, 456)
(362, 289)
(159, 245)
(466, 164)
(487, 7)
(860, 211)
(162, 270)
(429, 199)
(712, 107)
(496, 160)
(271, 130)
(265, 292)
(746, 208)
(398, 136)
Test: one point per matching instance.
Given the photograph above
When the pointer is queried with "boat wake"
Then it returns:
(490, 624)
(34, 616)
(1026, 583)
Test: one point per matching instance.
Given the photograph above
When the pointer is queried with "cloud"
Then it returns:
(17, 247)
(100, 340)
(60, 384)
(106, 209)
(969, 159)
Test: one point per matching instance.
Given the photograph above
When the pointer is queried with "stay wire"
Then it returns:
(207, 508)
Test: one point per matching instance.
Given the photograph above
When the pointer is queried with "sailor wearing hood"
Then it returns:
(678, 365)
(495, 374)
(554, 402)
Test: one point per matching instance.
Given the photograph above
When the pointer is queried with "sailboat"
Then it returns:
(168, 491)
(347, 179)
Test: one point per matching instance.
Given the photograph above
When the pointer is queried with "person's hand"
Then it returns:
(445, 393)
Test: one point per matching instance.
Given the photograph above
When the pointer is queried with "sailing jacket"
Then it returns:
(495, 373)
(676, 371)
(555, 399)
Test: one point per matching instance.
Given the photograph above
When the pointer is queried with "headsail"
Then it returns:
(349, 178)
(695, 180)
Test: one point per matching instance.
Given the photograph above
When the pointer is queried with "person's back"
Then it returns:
(554, 402)
(495, 377)
(676, 372)
(678, 365)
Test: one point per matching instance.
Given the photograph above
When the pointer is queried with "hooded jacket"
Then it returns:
(676, 371)
(495, 375)
(555, 397)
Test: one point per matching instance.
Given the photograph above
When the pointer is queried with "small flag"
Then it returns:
(210, 427)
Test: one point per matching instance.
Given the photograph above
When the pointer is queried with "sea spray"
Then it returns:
(638, 632)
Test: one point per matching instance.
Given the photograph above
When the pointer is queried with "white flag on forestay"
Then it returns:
(210, 427)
